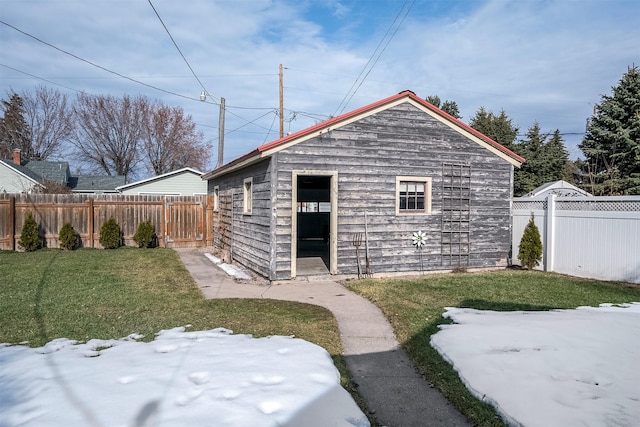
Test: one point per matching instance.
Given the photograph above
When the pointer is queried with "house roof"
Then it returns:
(160, 177)
(95, 184)
(270, 148)
(24, 171)
(560, 188)
(49, 171)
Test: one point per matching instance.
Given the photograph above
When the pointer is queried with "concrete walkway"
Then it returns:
(387, 381)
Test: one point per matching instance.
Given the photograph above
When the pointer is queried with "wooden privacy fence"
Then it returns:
(180, 221)
(594, 237)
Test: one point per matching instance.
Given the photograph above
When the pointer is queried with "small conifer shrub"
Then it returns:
(530, 253)
(68, 238)
(110, 234)
(29, 237)
(145, 235)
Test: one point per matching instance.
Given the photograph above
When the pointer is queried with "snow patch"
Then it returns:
(181, 378)
(561, 367)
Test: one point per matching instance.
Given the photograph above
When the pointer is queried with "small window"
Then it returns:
(413, 195)
(216, 198)
(247, 190)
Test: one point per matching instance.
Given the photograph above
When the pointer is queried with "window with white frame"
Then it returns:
(413, 195)
(216, 198)
(247, 190)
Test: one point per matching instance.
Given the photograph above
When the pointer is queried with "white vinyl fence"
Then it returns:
(594, 237)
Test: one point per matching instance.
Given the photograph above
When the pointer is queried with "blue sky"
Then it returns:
(546, 61)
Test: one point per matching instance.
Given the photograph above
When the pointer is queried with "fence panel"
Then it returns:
(186, 217)
(594, 237)
(185, 220)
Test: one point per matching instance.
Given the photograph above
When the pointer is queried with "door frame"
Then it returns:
(333, 217)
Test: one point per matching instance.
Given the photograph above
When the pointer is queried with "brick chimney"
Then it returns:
(16, 156)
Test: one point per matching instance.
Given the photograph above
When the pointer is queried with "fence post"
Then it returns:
(12, 222)
(549, 250)
(209, 221)
(91, 221)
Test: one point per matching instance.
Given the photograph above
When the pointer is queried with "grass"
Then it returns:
(415, 307)
(109, 294)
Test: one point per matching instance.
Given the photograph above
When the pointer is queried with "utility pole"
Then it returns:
(221, 134)
(203, 98)
(281, 104)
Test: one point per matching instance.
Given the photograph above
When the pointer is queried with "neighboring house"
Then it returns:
(182, 182)
(372, 177)
(559, 188)
(27, 176)
(95, 184)
(15, 178)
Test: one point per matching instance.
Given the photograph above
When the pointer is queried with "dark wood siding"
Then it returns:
(369, 154)
(250, 234)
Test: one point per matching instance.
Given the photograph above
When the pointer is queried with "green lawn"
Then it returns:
(109, 294)
(415, 307)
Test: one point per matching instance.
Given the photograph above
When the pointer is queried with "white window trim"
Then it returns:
(427, 195)
(247, 196)
(216, 198)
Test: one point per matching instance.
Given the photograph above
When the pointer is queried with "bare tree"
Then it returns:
(54, 187)
(109, 131)
(48, 114)
(171, 141)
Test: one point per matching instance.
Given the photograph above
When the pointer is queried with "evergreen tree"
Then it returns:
(68, 237)
(110, 237)
(29, 236)
(530, 251)
(14, 130)
(612, 143)
(499, 128)
(546, 160)
(449, 107)
(557, 158)
(529, 176)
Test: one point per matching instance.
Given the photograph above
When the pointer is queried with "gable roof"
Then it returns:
(560, 188)
(49, 171)
(270, 148)
(160, 177)
(23, 171)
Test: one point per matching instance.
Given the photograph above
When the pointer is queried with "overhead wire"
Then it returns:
(40, 78)
(180, 51)
(351, 92)
(196, 76)
(94, 64)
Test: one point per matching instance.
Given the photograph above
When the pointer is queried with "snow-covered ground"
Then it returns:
(202, 378)
(559, 368)
(550, 368)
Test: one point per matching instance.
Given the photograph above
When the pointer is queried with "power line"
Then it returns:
(346, 101)
(94, 64)
(179, 51)
(40, 78)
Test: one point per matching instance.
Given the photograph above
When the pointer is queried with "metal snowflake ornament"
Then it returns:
(419, 239)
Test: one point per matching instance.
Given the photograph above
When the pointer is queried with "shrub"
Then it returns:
(145, 235)
(68, 238)
(530, 253)
(29, 237)
(110, 234)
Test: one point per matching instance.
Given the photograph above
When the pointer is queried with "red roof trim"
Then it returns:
(346, 116)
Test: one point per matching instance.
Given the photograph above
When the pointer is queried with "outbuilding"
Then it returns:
(351, 193)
